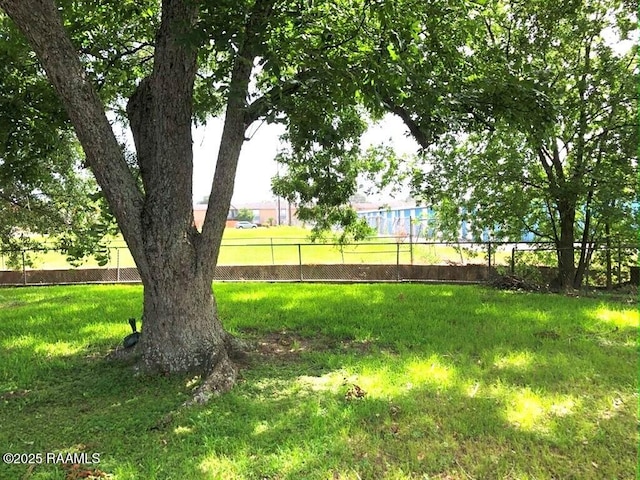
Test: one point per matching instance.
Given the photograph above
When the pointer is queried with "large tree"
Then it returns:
(289, 61)
(410, 61)
(524, 111)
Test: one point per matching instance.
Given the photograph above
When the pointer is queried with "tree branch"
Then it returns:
(235, 125)
(262, 106)
(535, 231)
(421, 137)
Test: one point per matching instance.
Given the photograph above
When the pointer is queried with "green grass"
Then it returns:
(459, 383)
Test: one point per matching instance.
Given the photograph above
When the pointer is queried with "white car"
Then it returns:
(244, 224)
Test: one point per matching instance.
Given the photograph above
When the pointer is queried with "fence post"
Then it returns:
(300, 261)
(24, 269)
(411, 239)
(489, 253)
(273, 259)
(398, 261)
(117, 264)
(513, 260)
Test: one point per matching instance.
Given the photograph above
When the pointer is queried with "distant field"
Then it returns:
(279, 246)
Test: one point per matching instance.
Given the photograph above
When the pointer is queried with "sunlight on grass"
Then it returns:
(39, 346)
(250, 296)
(563, 407)
(58, 349)
(103, 331)
(378, 381)
(180, 430)
(526, 411)
(260, 428)
(452, 383)
(432, 371)
(24, 341)
(531, 315)
(329, 382)
(617, 318)
(535, 411)
(219, 466)
(284, 462)
(514, 360)
(375, 381)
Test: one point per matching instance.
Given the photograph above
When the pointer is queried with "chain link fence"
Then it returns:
(384, 259)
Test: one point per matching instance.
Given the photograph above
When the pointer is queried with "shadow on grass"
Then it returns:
(533, 339)
(312, 430)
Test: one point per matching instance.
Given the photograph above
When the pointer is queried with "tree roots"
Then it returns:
(220, 377)
(220, 380)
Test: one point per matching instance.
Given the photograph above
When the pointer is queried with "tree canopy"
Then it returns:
(44, 188)
(571, 178)
(312, 65)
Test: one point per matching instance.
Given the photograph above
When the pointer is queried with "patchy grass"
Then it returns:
(348, 382)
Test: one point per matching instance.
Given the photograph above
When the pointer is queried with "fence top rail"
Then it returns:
(541, 246)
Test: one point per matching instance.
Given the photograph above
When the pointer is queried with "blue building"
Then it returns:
(417, 222)
(401, 221)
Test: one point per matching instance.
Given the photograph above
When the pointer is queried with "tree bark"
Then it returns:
(565, 247)
(181, 330)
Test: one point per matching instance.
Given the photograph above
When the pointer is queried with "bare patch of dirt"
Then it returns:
(289, 346)
(13, 394)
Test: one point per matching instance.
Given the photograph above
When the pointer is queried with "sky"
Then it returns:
(257, 166)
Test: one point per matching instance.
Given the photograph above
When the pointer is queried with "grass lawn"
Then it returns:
(377, 381)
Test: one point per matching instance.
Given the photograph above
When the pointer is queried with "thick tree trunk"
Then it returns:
(181, 330)
(565, 248)
(182, 333)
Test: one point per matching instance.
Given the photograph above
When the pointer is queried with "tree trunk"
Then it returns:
(607, 231)
(181, 330)
(182, 333)
(565, 248)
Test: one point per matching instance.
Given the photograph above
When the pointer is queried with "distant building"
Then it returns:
(397, 220)
(264, 213)
(200, 211)
(404, 220)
